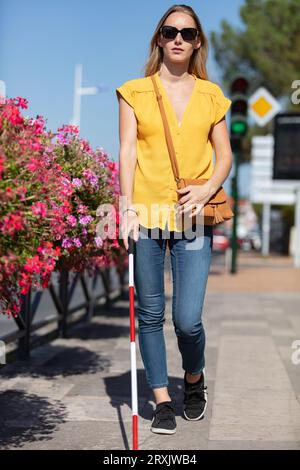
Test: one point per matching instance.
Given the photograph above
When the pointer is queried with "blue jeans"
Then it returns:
(190, 269)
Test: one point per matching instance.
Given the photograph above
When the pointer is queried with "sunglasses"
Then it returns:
(170, 32)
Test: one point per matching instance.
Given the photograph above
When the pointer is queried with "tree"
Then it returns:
(266, 50)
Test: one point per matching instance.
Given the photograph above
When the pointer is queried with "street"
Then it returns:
(75, 393)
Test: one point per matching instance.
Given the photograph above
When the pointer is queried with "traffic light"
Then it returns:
(239, 108)
(238, 129)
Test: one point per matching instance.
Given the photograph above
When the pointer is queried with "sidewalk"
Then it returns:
(75, 393)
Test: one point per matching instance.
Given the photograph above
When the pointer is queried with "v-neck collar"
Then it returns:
(168, 101)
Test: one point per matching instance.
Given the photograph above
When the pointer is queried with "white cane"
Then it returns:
(134, 393)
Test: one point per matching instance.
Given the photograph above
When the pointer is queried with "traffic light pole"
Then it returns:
(235, 196)
(238, 129)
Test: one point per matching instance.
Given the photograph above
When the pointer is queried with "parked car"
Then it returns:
(220, 241)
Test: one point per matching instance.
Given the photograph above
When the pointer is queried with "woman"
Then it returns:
(195, 109)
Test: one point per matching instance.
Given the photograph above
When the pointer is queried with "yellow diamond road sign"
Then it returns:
(263, 106)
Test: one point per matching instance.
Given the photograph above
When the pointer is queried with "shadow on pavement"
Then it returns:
(96, 331)
(64, 361)
(27, 418)
(111, 311)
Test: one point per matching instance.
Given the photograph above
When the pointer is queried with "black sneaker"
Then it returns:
(164, 421)
(195, 398)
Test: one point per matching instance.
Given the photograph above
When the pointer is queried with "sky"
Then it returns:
(41, 42)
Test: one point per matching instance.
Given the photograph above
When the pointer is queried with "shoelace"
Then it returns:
(165, 412)
(194, 395)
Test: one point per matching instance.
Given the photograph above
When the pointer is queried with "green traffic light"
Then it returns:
(239, 128)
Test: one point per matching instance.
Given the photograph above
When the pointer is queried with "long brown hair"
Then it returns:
(197, 64)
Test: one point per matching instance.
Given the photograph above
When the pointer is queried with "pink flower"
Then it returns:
(90, 175)
(36, 146)
(85, 146)
(69, 128)
(72, 220)
(99, 242)
(34, 165)
(33, 265)
(12, 114)
(63, 140)
(76, 182)
(67, 243)
(12, 223)
(82, 209)
(38, 125)
(39, 208)
(21, 102)
(77, 242)
(85, 219)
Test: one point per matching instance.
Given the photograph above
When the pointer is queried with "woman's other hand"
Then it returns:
(193, 198)
(130, 225)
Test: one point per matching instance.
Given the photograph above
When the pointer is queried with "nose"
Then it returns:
(180, 37)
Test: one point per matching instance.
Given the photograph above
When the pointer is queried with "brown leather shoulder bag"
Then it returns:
(217, 209)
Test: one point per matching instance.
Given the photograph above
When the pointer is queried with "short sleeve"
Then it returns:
(126, 92)
(221, 105)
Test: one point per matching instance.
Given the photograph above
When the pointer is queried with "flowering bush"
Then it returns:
(94, 181)
(51, 186)
(35, 199)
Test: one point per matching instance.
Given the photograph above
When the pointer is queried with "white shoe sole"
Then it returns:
(163, 431)
(198, 417)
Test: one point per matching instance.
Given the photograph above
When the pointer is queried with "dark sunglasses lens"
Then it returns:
(188, 34)
(169, 32)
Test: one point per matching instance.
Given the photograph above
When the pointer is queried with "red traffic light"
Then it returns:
(239, 85)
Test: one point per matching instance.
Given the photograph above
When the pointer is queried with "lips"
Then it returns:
(177, 49)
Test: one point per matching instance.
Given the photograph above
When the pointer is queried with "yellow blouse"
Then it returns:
(154, 192)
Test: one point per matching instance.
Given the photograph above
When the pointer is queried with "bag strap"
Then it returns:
(167, 131)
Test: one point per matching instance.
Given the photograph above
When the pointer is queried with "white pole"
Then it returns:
(79, 91)
(2, 89)
(297, 226)
(77, 95)
(266, 217)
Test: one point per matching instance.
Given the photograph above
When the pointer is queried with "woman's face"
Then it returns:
(179, 20)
